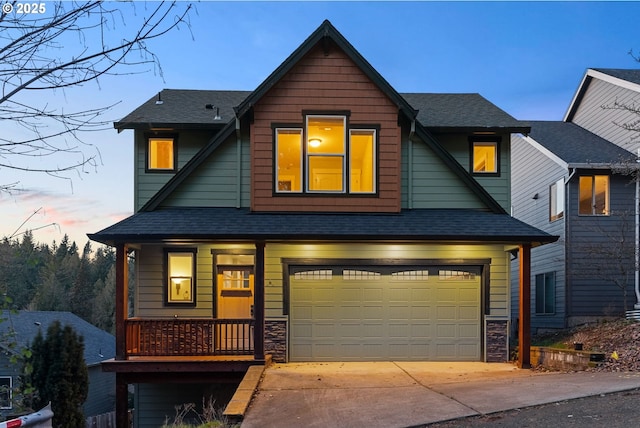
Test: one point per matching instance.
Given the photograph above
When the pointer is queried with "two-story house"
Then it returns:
(321, 217)
(574, 179)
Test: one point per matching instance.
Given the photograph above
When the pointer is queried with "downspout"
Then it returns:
(568, 277)
(238, 164)
(637, 248)
(412, 132)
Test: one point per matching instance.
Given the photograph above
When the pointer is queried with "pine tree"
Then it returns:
(59, 375)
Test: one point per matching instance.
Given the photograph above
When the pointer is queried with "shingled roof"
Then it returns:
(98, 344)
(187, 108)
(577, 146)
(242, 224)
(630, 75)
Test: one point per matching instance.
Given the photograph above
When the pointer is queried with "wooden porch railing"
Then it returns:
(189, 337)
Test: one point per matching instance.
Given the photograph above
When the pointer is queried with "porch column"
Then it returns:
(524, 323)
(122, 291)
(122, 404)
(258, 303)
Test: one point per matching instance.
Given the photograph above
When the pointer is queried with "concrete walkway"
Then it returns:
(405, 394)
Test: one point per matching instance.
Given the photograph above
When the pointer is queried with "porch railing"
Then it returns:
(189, 337)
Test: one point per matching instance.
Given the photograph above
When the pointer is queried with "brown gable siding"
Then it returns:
(325, 83)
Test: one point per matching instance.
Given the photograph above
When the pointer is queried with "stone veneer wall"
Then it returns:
(497, 332)
(275, 340)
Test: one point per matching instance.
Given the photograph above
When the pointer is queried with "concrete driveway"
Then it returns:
(405, 394)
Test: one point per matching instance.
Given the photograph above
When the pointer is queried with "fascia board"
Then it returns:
(548, 153)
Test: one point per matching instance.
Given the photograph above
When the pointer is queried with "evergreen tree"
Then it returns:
(59, 375)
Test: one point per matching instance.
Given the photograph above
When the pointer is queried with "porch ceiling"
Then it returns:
(205, 224)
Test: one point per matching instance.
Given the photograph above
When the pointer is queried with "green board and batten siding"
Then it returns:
(426, 181)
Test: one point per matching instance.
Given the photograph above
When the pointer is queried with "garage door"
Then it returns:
(385, 313)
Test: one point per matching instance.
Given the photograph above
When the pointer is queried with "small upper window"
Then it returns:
(594, 195)
(161, 154)
(556, 200)
(485, 157)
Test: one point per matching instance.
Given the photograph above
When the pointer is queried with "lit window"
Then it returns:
(289, 160)
(325, 160)
(484, 157)
(556, 200)
(181, 284)
(161, 154)
(5, 392)
(326, 152)
(546, 293)
(236, 279)
(362, 160)
(594, 195)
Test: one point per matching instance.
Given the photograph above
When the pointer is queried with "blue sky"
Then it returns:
(528, 58)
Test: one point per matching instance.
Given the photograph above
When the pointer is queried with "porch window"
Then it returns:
(556, 200)
(485, 156)
(594, 195)
(234, 275)
(546, 293)
(181, 277)
(161, 154)
(325, 156)
(6, 392)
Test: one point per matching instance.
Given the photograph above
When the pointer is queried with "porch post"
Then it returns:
(258, 303)
(524, 323)
(122, 406)
(122, 291)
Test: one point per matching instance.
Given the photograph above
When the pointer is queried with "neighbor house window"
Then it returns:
(546, 293)
(325, 157)
(161, 153)
(556, 200)
(5, 392)
(594, 195)
(485, 157)
(181, 276)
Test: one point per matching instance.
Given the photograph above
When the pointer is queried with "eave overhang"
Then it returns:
(192, 225)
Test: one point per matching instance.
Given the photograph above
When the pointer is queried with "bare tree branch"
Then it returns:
(66, 46)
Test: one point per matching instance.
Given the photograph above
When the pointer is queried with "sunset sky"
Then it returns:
(528, 58)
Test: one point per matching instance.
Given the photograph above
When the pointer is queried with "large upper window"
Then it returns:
(546, 293)
(325, 157)
(161, 153)
(556, 200)
(594, 195)
(485, 156)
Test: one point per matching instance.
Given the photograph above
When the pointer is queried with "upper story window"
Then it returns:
(485, 156)
(161, 153)
(594, 195)
(325, 157)
(556, 200)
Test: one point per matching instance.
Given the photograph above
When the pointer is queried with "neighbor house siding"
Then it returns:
(329, 83)
(534, 172)
(102, 389)
(147, 184)
(594, 248)
(592, 115)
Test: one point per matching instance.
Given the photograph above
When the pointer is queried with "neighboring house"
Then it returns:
(23, 326)
(321, 217)
(571, 178)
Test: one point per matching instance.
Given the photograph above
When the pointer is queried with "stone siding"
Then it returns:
(275, 340)
(497, 332)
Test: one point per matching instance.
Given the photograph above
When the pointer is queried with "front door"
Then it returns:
(234, 301)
